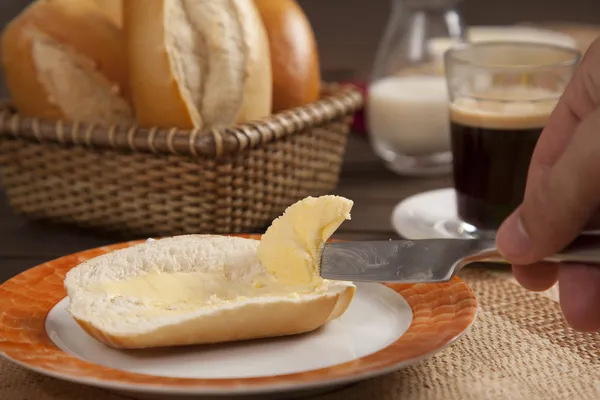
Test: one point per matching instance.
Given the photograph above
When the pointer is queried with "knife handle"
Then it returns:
(584, 249)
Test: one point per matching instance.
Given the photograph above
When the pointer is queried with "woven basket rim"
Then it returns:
(337, 101)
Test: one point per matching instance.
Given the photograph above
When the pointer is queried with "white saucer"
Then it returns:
(429, 215)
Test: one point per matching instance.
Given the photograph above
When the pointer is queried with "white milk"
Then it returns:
(409, 114)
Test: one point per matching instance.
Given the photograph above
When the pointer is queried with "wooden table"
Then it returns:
(375, 191)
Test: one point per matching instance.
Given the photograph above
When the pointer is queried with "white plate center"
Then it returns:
(377, 317)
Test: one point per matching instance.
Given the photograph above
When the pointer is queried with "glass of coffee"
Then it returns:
(501, 95)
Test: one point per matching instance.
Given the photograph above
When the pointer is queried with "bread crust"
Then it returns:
(113, 9)
(154, 92)
(294, 53)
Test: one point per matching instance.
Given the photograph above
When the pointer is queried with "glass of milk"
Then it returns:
(407, 104)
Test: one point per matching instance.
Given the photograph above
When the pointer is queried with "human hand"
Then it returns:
(561, 199)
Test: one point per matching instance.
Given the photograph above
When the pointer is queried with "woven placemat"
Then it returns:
(519, 348)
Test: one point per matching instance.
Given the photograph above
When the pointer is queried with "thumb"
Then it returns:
(557, 208)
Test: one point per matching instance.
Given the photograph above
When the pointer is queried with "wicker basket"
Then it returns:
(150, 182)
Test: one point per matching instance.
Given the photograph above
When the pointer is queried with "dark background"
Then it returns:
(348, 30)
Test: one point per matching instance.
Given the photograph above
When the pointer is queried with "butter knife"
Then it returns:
(428, 260)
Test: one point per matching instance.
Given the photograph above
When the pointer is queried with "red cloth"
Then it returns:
(359, 125)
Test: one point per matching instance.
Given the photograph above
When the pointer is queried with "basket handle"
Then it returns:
(338, 101)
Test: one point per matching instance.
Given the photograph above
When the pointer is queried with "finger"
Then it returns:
(577, 102)
(538, 277)
(558, 207)
(579, 290)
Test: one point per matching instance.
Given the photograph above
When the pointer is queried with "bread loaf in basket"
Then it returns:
(64, 163)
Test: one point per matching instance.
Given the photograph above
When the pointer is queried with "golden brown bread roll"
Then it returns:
(64, 59)
(197, 63)
(294, 53)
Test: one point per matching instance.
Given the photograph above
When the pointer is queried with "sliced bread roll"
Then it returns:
(64, 59)
(194, 289)
(197, 63)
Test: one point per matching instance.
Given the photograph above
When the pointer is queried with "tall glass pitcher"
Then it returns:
(407, 110)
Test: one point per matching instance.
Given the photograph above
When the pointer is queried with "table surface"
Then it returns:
(374, 190)
(543, 339)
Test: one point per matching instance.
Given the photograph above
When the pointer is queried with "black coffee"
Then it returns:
(491, 159)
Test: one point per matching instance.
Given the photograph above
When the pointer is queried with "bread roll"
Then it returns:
(294, 53)
(64, 59)
(194, 289)
(197, 63)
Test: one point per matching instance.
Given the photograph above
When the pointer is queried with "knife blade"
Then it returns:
(427, 260)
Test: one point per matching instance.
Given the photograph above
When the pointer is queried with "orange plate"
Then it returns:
(441, 313)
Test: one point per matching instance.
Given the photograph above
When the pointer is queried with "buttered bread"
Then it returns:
(194, 289)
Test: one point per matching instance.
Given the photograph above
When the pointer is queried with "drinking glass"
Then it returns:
(501, 95)
(406, 106)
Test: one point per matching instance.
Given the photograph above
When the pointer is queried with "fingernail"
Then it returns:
(513, 241)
